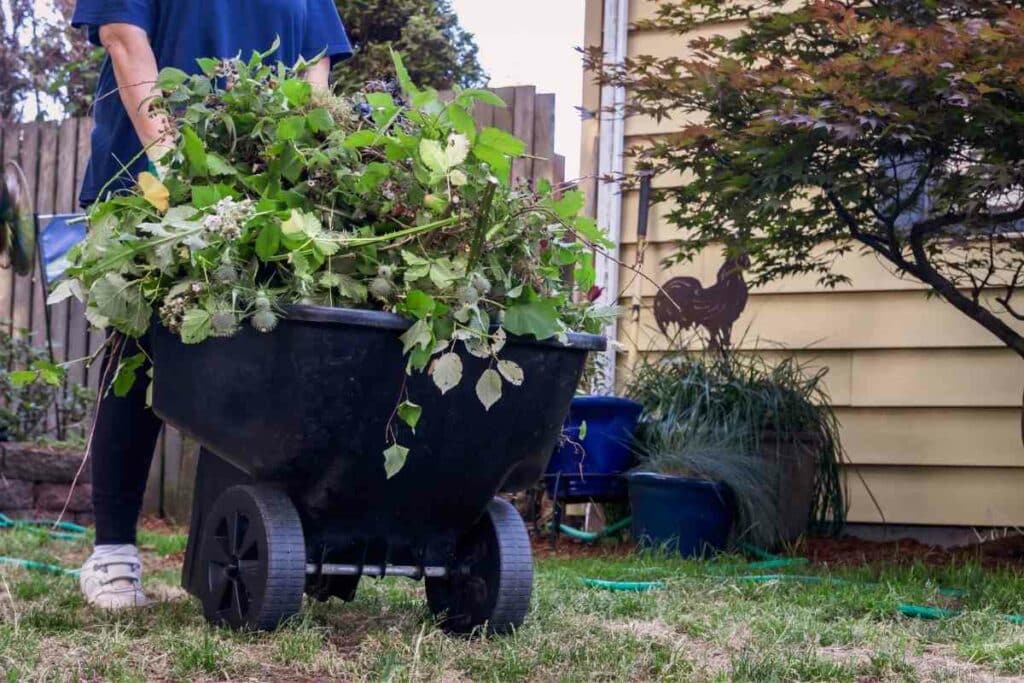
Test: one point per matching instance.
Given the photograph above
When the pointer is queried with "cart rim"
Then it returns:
(383, 320)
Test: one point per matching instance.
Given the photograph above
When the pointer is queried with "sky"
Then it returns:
(534, 44)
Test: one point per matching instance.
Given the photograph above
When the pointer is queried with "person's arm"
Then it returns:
(319, 74)
(136, 71)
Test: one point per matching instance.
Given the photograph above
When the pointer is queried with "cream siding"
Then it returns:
(930, 403)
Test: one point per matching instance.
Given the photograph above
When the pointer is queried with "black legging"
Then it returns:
(123, 441)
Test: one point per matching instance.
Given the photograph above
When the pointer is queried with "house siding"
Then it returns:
(930, 403)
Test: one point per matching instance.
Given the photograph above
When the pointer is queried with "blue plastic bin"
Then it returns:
(690, 516)
(591, 467)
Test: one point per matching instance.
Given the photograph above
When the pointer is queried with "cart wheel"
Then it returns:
(253, 557)
(491, 576)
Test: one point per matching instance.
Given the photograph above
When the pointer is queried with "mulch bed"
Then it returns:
(845, 551)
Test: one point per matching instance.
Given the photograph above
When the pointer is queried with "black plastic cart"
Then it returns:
(291, 495)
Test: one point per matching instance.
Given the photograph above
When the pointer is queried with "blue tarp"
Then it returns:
(57, 235)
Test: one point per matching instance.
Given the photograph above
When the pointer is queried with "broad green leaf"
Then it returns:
(461, 120)
(22, 378)
(499, 140)
(419, 335)
(218, 166)
(320, 121)
(446, 372)
(66, 288)
(196, 326)
(204, 196)
(410, 414)
(170, 78)
(456, 151)
(291, 128)
(297, 91)
(208, 66)
(394, 459)
(195, 152)
(120, 303)
(511, 371)
(295, 224)
(419, 304)
(499, 162)
(488, 388)
(124, 380)
(433, 156)
(485, 96)
(538, 319)
(363, 138)
(569, 204)
(268, 242)
(51, 373)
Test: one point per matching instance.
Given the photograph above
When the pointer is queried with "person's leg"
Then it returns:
(123, 439)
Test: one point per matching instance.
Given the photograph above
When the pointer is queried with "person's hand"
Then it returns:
(157, 153)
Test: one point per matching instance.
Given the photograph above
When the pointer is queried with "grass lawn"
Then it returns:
(700, 626)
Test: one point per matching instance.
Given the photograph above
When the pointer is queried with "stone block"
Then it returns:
(53, 497)
(33, 462)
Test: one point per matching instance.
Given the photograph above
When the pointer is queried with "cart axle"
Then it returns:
(406, 570)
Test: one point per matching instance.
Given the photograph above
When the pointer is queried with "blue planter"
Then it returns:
(690, 516)
(589, 468)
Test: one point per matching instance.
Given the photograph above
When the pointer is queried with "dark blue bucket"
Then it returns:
(690, 516)
(590, 468)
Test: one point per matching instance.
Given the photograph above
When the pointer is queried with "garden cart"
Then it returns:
(291, 495)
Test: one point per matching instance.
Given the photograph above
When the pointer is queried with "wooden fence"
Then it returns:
(53, 157)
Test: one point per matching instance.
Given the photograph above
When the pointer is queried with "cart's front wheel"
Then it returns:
(253, 558)
(491, 578)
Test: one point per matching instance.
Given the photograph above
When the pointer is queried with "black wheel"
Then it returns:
(491, 578)
(252, 559)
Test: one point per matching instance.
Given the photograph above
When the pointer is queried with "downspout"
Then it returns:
(611, 165)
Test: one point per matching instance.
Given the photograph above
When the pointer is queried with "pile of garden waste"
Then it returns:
(388, 199)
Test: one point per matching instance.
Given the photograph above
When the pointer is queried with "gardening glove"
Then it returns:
(157, 158)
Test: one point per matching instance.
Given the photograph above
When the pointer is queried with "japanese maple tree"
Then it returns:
(824, 127)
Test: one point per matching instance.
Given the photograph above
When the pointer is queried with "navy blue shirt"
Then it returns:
(182, 31)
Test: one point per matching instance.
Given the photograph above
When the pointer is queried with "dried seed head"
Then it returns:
(262, 301)
(381, 288)
(224, 324)
(264, 321)
(225, 274)
(481, 283)
(469, 295)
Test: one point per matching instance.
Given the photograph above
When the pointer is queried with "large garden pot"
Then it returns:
(796, 467)
(591, 467)
(690, 516)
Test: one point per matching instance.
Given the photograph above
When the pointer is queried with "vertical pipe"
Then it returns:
(611, 166)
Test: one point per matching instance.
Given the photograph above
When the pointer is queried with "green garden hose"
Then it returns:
(626, 586)
(38, 566)
(591, 536)
(64, 531)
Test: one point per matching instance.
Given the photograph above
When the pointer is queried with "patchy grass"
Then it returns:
(701, 626)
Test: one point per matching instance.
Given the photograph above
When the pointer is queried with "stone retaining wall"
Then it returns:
(35, 482)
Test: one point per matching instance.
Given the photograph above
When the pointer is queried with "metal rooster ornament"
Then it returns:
(17, 221)
(683, 303)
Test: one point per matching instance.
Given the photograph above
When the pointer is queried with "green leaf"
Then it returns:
(499, 162)
(124, 380)
(208, 66)
(49, 372)
(297, 91)
(170, 78)
(120, 303)
(488, 388)
(433, 157)
(204, 196)
(218, 166)
(461, 120)
(501, 141)
(196, 326)
(446, 372)
(403, 75)
(410, 414)
(582, 434)
(419, 304)
(485, 96)
(569, 204)
(268, 242)
(394, 459)
(363, 138)
(320, 121)
(511, 371)
(538, 318)
(195, 152)
(291, 128)
(419, 335)
(22, 378)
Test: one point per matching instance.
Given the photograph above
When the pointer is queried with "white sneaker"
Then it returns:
(112, 578)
